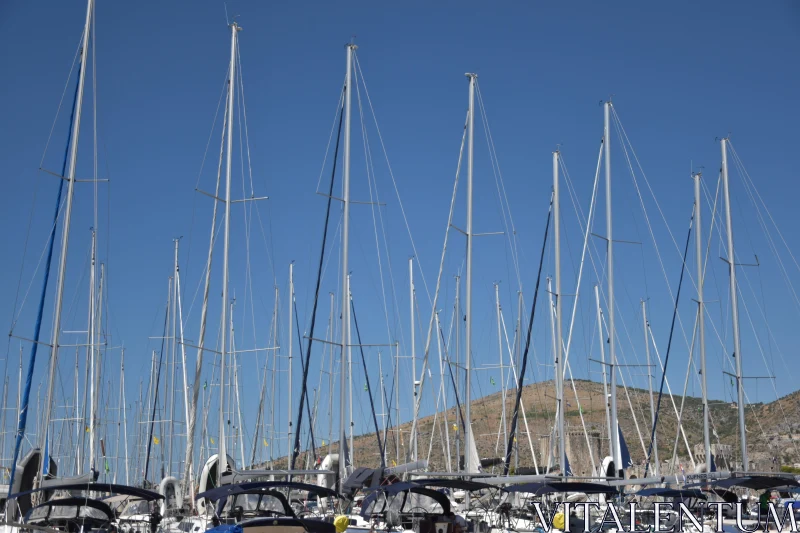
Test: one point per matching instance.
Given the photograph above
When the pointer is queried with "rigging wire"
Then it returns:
(391, 174)
(515, 414)
(307, 362)
(369, 389)
(669, 346)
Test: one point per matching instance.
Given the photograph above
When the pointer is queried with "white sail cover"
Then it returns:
(473, 462)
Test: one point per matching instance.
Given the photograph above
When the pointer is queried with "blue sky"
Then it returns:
(681, 74)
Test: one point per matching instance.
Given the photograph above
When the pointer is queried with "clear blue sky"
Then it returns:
(681, 74)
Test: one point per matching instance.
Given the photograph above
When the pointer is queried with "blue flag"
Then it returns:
(624, 454)
(567, 468)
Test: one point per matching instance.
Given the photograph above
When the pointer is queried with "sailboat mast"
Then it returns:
(62, 262)
(554, 432)
(274, 373)
(517, 361)
(290, 343)
(701, 319)
(350, 373)
(345, 272)
(240, 428)
(656, 464)
(603, 364)
(183, 363)
(469, 467)
(223, 458)
(612, 351)
(457, 329)
(443, 392)
(384, 412)
(500, 358)
(330, 372)
(173, 339)
(91, 347)
(559, 346)
(398, 429)
(737, 353)
(97, 361)
(413, 352)
(124, 414)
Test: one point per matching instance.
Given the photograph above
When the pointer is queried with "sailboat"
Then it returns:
(36, 496)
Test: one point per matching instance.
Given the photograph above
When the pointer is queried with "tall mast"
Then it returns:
(90, 338)
(345, 272)
(223, 458)
(551, 455)
(444, 396)
(603, 364)
(350, 373)
(734, 305)
(469, 467)
(186, 409)
(413, 352)
(502, 368)
(330, 372)
(289, 342)
(124, 415)
(457, 330)
(174, 345)
(80, 424)
(645, 326)
(701, 318)
(384, 412)
(559, 366)
(398, 432)
(612, 350)
(97, 361)
(274, 373)
(239, 429)
(517, 361)
(188, 464)
(62, 264)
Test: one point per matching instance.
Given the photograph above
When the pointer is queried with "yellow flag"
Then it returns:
(155, 440)
(265, 442)
(212, 440)
(323, 443)
(88, 429)
(455, 427)
(394, 463)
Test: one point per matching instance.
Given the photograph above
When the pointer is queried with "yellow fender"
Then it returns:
(340, 523)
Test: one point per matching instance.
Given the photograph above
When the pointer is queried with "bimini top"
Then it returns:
(751, 482)
(69, 509)
(395, 489)
(110, 488)
(557, 486)
(457, 484)
(673, 493)
(261, 486)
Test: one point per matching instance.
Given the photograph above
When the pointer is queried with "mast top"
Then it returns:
(235, 25)
(471, 75)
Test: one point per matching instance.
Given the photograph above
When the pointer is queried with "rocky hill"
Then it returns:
(772, 429)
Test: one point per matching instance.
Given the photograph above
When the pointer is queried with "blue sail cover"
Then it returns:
(624, 454)
(713, 467)
(225, 528)
(567, 467)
